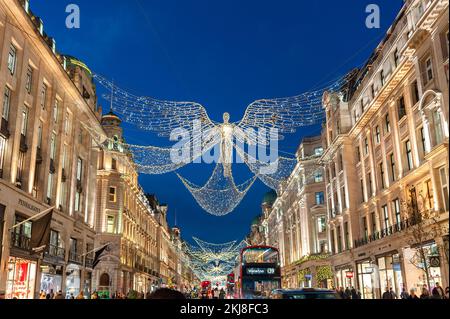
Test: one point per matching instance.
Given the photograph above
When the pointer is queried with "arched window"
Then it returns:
(104, 280)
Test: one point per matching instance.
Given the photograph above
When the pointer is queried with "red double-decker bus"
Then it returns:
(259, 272)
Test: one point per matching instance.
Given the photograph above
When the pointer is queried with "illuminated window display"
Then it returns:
(367, 279)
(21, 278)
(345, 278)
(390, 273)
(72, 281)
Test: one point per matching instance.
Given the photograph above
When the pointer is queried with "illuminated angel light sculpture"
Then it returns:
(263, 124)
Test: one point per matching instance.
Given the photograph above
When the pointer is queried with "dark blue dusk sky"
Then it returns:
(222, 54)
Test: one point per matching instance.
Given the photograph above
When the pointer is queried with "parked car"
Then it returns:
(304, 293)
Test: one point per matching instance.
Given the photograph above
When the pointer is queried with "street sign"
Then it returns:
(349, 274)
(308, 277)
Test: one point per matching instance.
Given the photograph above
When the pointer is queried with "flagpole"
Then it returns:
(32, 217)
(95, 249)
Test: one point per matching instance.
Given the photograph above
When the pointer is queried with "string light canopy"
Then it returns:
(264, 122)
(213, 262)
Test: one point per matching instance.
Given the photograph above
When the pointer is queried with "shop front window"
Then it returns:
(416, 266)
(390, 273)
(20, 278)
(366, 282)
(72, 282)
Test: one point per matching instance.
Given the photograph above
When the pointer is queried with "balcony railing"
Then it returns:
(75, 258)
(397, 228)
(20, 241)
(55, 252)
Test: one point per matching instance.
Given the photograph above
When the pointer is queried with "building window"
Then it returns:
(363, 195)
(385, 216)
(422, 142)
(55, 111)
(401, 107)
(49, 187)
(43, 96)
(409, 159)
(24, 121)
(6, 103)
(12, 59)
(339, 239)
(366, 146)
(444, 186)
(112, 194)
(387, 123)
(29, 80)
(341, 162)
(67, 124)
(377, 135)
(358, 154)
(39, 144)
(396, 57)
(415, 93)
(333, 242)
(437, 127)
(346, 236)
(396, 206)
(382, 78)
(53, 146)
(320, 199)
(318, 176)
(37, 171)
(430, 197)
(372, 90)
(2, 154)
(20, 168)
(382, 177)
(393, 167)
(374, 222)
(110, 224)
(113, 164)
(321, 224)
(78, 201)
(369, 181)
(429, 69)
(344, 198)
(79, 169)
(366, 227)
(318, 151)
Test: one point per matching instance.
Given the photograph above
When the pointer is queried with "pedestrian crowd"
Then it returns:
(349, 293)
(436, 293)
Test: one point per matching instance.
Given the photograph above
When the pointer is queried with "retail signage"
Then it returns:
(435, 261)
(308, 277)
(349, 274)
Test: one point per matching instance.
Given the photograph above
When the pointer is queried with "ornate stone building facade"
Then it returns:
(125, 219)
(49, 158)
(46, 158)
(295, 220)
(386, 159)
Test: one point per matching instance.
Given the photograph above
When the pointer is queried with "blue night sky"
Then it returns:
(222, 54)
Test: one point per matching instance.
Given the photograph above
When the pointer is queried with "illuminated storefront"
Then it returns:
(72, 280)
(21, 278)
(415, 266)
(367, 279)
(390, 272)
(51, 279)
(345, 277)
